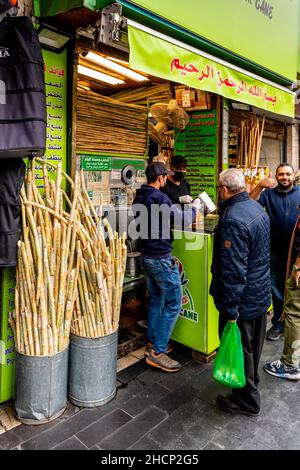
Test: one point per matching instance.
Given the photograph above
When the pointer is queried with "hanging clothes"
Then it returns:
(12, 173)
(23, 114)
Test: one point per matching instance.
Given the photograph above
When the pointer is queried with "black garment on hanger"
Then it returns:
(12, 173)
(23, 117)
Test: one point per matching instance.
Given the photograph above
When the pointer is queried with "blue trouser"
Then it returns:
(165, 299)
(278, 271)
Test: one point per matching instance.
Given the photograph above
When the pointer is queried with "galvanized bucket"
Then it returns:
(92, 370)
(41, 387)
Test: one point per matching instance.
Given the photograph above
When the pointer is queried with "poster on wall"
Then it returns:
(199, 144)
(56, 151)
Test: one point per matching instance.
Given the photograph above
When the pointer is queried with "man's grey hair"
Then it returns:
(233, 179)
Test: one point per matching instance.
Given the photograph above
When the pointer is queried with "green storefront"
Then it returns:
(246, 52)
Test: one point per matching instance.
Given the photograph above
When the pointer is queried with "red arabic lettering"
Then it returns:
(184, 68)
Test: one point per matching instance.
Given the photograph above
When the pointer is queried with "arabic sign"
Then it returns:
(56, 102)
(7, 345)
(198, 143)
(95, 163)
(163, 59)
(262, 31)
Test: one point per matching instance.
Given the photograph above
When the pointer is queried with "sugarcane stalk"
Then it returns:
(28, 320)
(43, 312)
(26, 346)
(26, 284)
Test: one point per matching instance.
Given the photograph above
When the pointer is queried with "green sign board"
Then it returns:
(199, 143)
(51, 8)
(262, 31)
(7, 344)
(120, 163)
(164, 59)
(95, 163)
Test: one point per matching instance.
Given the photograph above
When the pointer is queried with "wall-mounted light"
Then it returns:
(101, 77)
(109, 64)
(52, 38)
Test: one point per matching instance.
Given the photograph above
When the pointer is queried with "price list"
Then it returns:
(198, 143)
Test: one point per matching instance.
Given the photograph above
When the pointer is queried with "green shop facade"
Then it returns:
(246, 53)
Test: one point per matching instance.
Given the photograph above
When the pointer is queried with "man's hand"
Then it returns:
(197, 204)
(185, 199)
(267, 182)
(232, 321)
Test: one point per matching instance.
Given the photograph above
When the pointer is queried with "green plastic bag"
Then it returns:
(229, 367)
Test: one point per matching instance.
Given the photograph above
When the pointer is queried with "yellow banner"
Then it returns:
(161, 58)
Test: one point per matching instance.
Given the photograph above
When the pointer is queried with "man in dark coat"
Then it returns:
(281, 204)
(241, 281)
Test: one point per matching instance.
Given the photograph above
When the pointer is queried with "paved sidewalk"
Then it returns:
(155, 410)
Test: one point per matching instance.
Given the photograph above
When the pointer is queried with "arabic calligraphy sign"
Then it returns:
(160, 58)
(261, 31)
(198, 143)
(56, 102)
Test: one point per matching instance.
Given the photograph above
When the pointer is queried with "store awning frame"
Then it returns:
(180, 62)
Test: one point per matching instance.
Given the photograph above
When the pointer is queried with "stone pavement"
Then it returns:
(154, 410)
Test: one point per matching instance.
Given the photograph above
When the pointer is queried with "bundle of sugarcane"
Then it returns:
(251, 133)
(60, 254)
(44, 294)
(101, 273)
(104, 124)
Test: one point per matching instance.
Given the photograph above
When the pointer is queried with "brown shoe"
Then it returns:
(163, 361)
(149, 349)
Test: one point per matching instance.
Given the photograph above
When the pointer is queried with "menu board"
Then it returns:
(56, 102)
(198, 143)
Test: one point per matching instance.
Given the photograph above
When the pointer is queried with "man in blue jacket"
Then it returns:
(154, 213)
(281, 204)
(241, 281)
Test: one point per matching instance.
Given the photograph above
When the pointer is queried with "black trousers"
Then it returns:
(253, 335)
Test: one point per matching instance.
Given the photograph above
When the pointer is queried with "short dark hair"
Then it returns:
(151, 179)
(178, 160)
(285, 164)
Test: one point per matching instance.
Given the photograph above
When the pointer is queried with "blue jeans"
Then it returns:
(165, 299)
(278, 268)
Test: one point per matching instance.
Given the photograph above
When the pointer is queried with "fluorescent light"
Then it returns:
(114, 59)
(102, 77)
(116, 67)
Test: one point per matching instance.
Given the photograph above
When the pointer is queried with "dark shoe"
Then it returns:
(274, 333)
(279, 369)
(163, 361)
(149, 349)
(231, 405)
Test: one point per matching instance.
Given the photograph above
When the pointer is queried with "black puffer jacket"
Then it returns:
(241, 260)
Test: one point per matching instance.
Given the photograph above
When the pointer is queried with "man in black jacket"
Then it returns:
(154, 213)
(241, 280)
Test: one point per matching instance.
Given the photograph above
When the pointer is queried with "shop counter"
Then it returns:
(197, 325)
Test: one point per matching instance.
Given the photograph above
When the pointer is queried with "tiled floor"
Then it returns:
(154, 410)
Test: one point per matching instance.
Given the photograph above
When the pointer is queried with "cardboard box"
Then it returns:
(203, 100)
